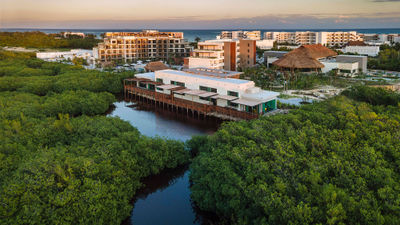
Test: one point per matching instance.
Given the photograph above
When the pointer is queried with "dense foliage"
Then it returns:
(334, 162)
(38, 39)
(57, 164)
(388, 58)
(22, 73)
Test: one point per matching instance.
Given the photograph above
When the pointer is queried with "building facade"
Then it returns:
(211, 87)
(329, 39)
(252, 35)
(148, 44)
(224, 54)
(369, 50)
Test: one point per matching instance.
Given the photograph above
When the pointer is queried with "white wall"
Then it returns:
(362, 50)
(265, 44)
(329, 66)
(348, 66)
(195, 82)
(205, 62)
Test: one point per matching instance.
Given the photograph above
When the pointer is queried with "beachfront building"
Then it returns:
(361, 48)
(380, 39)
(217, 91)
(148, 44)
(252, 35)
(309, 37)
(227, 54)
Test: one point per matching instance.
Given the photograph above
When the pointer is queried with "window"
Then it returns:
(159, 80)
(233, 93)
(178, 83)
(142, 85)
(203, 88)
(232, 104)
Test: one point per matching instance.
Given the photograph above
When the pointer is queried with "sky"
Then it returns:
(200, 14)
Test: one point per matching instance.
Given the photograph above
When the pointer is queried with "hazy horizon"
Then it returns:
(205, 15)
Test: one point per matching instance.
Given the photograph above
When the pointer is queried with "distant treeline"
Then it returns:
(388, 58)
(61, 160)
(41, 40)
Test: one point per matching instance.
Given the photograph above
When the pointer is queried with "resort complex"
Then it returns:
(148, 44)
(308, 37)
(227, 54)
(316, 58)
(203, 91)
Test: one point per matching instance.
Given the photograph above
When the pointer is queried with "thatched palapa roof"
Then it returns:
(155, 66)
(305, 57)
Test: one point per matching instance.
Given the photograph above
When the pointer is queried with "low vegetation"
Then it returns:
(334, 162)
(61, 160)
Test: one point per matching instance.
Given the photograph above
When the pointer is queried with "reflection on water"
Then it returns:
(165, 198)
(153, 121)
(294, 101)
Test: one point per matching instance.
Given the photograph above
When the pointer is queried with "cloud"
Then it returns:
(270, 21)
(386, 0)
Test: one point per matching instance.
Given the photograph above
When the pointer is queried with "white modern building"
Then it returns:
(310, 37)
(74, 53)
(362, 49)
(209, 54)
(252, 35)
(227, 54)
(265, 44)
(214, 87)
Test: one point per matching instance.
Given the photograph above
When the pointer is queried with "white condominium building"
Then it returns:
(252, 35)
(208, 54)
(309, 37)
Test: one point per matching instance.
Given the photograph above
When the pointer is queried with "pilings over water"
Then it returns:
(182, 106)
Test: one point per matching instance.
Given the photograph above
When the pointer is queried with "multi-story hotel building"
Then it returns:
(148, 44)
(252, 35)
(224, 54)
(309, 37)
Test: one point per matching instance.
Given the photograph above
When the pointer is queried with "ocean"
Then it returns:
(204, 34)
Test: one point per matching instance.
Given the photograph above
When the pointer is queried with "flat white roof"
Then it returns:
(225, 80)
(151, 76)
(248, 102)
(262, 95)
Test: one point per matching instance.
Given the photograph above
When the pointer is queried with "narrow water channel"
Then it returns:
(165, 199)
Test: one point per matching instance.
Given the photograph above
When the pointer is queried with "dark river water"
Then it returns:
(165, 199)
